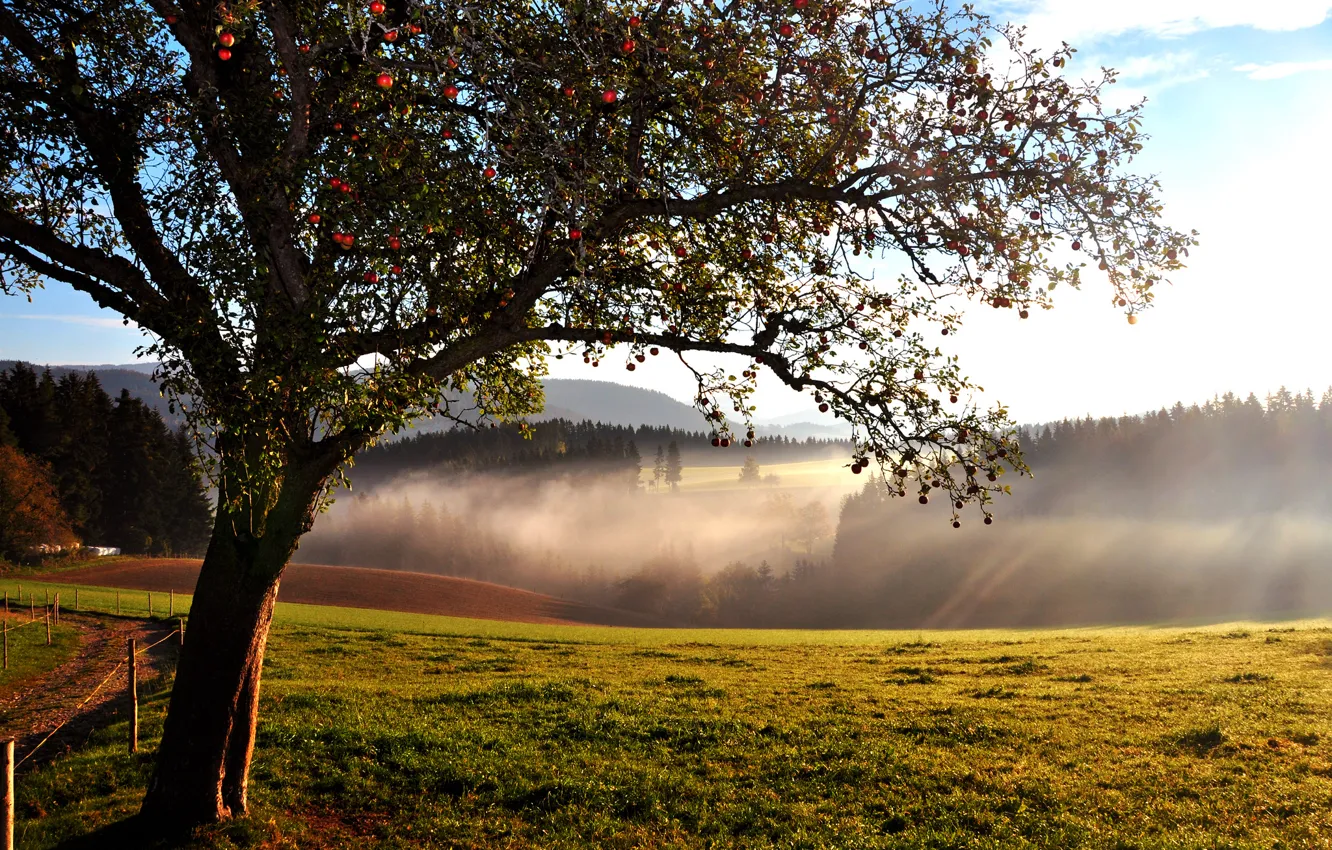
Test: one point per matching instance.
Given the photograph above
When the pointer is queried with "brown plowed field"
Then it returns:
(386, 590)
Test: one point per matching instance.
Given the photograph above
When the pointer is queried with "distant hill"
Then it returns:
(599, 401)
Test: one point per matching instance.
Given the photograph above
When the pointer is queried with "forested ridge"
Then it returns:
(120, 476)
(1228, 457)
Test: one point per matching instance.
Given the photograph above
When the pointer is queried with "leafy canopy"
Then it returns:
(331, 218)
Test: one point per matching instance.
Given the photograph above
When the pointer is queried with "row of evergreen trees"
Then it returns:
(564, 447)
(122, 477)
(1228, 457)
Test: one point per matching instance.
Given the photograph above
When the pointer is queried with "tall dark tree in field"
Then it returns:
(674, 469)
(330, 218)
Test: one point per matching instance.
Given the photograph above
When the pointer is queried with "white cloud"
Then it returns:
(90, 321)
(1081, 22)
(1140, 76)
(1277, 70)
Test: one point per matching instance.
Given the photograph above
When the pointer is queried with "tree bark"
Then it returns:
(209, 729)
(203, 760)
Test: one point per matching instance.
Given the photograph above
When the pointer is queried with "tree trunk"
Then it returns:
(203, 760)
(208, 736)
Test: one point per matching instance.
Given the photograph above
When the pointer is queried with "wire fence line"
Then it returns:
(93, 693)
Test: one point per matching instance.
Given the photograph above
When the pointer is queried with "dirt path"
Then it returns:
(57, 697)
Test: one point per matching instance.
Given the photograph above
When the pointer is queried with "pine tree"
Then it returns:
(82, 411)
(674, 469)
(7, 437)
(659, 467)
(749, 474)
(189, 517)
(633, 463)
(29, 399)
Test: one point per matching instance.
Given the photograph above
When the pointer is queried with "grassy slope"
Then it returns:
(411, 731)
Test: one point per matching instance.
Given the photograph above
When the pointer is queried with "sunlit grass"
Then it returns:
(406, 731)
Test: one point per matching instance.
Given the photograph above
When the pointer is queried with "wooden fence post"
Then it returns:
(117, 602)
(171, 609)
(48, 625)
(6, 643)
(180, 631)
(32, 607)
(134, 700)
(76, 599)
(55, 609)
(7, 807)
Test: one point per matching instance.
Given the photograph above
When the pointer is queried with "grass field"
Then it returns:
(29, 656)
(403, 731)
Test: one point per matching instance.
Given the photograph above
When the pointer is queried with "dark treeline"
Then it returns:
(1226, 458)
(122, 477)
(562, 446)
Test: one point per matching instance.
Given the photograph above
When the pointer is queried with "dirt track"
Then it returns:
(386, 590)
(78, 693)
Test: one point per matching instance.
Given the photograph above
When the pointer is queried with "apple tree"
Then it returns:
(331, 218)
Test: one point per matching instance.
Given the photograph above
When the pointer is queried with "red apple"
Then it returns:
(609, 96)
(635, 21)
(224, 54)
(384, 81)
(314, 218)
(396, 269)
(627, 46)
(575, 234)
(371, 277)
(376, 8)
(489, 172)
(227, 39)
(451, 91)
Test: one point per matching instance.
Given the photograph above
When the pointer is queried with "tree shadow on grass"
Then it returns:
(133, 832)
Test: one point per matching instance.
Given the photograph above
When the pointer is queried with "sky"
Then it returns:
(1241, 125)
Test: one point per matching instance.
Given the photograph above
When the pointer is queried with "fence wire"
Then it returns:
(89, 697)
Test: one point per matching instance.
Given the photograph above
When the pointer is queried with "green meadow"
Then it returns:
(402, 731)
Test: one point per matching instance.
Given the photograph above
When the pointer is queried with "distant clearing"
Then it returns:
(386, 590)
